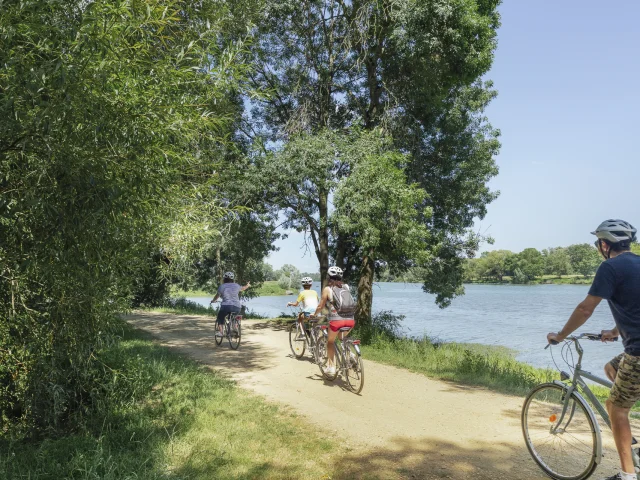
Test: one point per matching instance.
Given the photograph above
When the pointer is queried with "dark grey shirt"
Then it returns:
(618, 282)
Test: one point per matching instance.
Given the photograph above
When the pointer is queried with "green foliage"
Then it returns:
(167, 417)
(584, 258)
(529, 262)
(557, 262)
(112, 118)
(376, 205)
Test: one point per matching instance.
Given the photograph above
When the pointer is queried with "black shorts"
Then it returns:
(226, 310)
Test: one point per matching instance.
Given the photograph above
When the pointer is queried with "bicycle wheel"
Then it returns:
(566, 451)
(234, 334)
(324, 359)
(355, 368)
(216, 334)
(297, 341)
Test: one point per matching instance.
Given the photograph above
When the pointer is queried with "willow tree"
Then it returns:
(111, 113)
(409, 67)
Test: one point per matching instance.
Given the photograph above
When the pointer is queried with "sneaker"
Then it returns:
(331, 371)
(218, 334)
(617, 476)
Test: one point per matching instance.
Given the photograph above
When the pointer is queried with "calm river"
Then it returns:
(515, 316)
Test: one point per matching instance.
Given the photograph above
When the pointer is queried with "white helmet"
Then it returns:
(335, 272)
(229, 275)
(616, 231)
(307, 281)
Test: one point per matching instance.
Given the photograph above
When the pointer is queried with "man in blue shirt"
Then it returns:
(617, 281)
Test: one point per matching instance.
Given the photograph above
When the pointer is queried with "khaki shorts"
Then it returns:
(626, 389)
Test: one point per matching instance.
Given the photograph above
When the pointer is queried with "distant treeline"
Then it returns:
(530, 265)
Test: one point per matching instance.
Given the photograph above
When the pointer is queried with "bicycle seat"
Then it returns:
(344, 329)
(313, 320)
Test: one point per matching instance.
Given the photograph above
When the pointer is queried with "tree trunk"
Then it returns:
(220, 272)
(323, 237)
(365, 290)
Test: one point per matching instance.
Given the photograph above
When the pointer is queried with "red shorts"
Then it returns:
(336, 325)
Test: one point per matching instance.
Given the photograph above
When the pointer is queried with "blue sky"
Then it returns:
(567, 73)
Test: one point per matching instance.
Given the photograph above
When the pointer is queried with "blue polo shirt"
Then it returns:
(618, 281)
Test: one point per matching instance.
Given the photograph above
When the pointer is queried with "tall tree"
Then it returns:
(110, 119)
(411, 68)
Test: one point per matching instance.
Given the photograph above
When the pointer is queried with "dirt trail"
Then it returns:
(403, 425)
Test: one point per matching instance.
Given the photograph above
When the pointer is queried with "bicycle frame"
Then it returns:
(578, 386)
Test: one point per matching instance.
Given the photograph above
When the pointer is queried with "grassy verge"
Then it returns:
(473, 364)
(172, 419)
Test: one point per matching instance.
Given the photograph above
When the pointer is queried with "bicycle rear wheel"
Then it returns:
(234, 334)
(565, 451)
(297, 341)
(355, 368)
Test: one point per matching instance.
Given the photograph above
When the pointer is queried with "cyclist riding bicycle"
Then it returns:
(229, 291)
(617, 281)
(336, 296)
(308, 298)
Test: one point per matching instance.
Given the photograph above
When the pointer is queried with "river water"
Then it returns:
(514, 316)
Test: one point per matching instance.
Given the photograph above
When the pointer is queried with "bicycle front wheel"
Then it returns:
(355, 368)
(296, 340)
(234, 334)
(565, 448)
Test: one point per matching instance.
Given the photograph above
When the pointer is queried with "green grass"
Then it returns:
(492, 367)
(173, 419)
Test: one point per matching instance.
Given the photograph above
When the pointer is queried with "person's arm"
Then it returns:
(246, 287)
(323, 301)
(293, 304)
(216, 297)
(579, 316)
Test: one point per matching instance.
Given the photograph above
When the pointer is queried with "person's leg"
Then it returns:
(220, 320)
(624, 394)
(621, 429)
(331, 348)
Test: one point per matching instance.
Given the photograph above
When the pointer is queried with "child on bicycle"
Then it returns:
(229, 291)
(308, 298)
(617, 281)
(336, 296)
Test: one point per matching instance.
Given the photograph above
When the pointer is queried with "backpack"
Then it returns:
(343, 302)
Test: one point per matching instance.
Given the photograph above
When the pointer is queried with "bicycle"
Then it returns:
(348, 359)
(300, 337)
(231, 329)
(558, 424)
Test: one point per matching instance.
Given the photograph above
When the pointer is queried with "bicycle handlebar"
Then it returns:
(588, 336)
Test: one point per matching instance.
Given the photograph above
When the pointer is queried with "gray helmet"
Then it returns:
(229, 275)
(307, 281)
(616, 231)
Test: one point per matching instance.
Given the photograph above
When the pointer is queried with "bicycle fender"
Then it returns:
(573, 391)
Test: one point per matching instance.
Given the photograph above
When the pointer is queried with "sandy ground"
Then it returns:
(402, 425)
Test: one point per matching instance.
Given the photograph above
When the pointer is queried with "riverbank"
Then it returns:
(544, 280)
(171, 418)
(267, 289)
